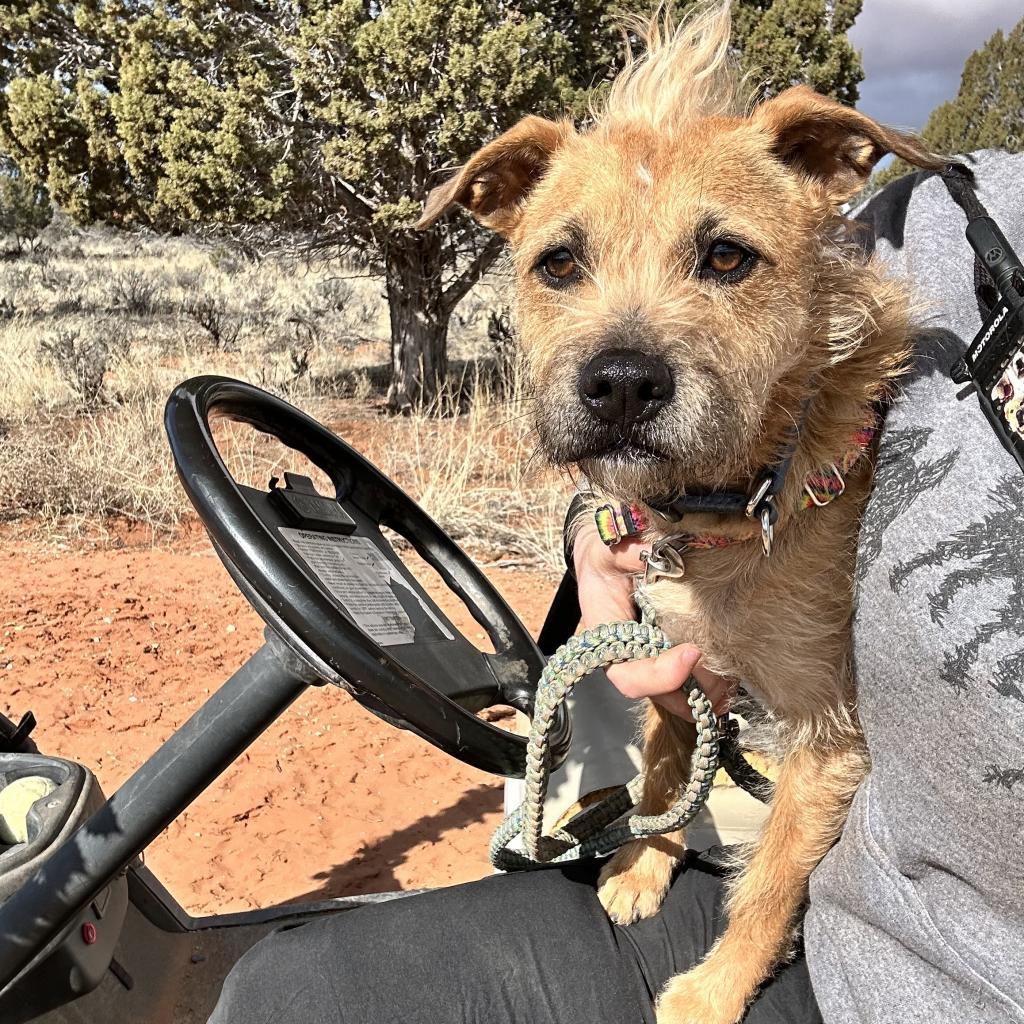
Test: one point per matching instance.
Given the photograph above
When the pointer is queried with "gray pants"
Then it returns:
(534, 948)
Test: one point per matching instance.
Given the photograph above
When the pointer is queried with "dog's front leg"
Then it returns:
(812, 798)
(634, 882)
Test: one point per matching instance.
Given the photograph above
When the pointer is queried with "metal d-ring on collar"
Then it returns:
(837, 474)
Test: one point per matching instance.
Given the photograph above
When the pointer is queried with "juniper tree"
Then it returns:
(792, 42)
(988, 109)
(331, 120)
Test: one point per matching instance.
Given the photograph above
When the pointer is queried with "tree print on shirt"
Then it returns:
(990, 549)
(900, 479)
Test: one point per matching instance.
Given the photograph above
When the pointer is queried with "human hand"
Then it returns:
(606, 576)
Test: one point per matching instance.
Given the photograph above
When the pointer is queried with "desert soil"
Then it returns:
(113, 648)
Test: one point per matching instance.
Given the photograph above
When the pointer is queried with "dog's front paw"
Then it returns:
(701, 996)
(634, 882)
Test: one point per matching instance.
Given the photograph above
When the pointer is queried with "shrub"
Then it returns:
(68, 303)
(118, 337)
(111, 464)
(502, 336)
(332, 295)
(51, 276)
(81, 361)
(258, 302)
(188, 279)
(226, 261)
(307, 332)
(211, 313)
(282, 382)
(366, 315)
(136, 293)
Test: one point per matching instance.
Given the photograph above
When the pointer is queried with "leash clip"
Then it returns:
(759, 497)
(663, 561)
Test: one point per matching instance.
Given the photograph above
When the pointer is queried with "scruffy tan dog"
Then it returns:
(691, 304)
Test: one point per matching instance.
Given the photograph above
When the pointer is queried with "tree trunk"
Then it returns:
(419, 320)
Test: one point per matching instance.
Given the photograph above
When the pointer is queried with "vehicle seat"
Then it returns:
(42, 800)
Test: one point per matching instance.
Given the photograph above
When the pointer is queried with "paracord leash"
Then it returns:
(597, 830)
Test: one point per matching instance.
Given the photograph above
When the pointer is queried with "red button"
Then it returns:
(88, 933)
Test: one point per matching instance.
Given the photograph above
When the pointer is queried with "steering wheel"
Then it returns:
(321, 574)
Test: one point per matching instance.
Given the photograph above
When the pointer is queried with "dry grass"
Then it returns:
(477, 475)
(103, 326)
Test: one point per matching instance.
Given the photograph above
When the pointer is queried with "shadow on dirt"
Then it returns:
(373, 868)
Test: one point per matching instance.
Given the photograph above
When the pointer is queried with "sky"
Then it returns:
(914, 50)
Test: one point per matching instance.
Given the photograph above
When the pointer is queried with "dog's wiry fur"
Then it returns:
(675, 158)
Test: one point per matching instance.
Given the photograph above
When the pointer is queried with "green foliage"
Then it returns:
(330, 119)
(988, 110)
(25, 208)
(182, 112)
(789, 42)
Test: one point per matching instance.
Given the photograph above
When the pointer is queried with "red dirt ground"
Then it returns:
(114, 648)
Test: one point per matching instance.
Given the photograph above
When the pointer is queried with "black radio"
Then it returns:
(994, 363)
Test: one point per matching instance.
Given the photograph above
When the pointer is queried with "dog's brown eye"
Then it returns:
(724, 258)
(559, 264)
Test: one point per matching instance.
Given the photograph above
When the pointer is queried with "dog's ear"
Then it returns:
(494, 181)
(832, 144)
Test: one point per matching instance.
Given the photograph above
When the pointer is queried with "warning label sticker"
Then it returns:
(369, 587)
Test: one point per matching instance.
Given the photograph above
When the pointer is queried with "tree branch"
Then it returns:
(352, 199)
(460, 286)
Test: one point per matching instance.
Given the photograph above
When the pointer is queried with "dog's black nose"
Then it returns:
(625, 386)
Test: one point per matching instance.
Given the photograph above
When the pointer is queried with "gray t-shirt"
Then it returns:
(918, 912)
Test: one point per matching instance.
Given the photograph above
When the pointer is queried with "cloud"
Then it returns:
(914, 50)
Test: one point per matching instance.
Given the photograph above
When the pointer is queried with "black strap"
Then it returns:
(959, 182)
(737, 767)
(563, 616)
(581, 502)
(723, 503)
(766, 488)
